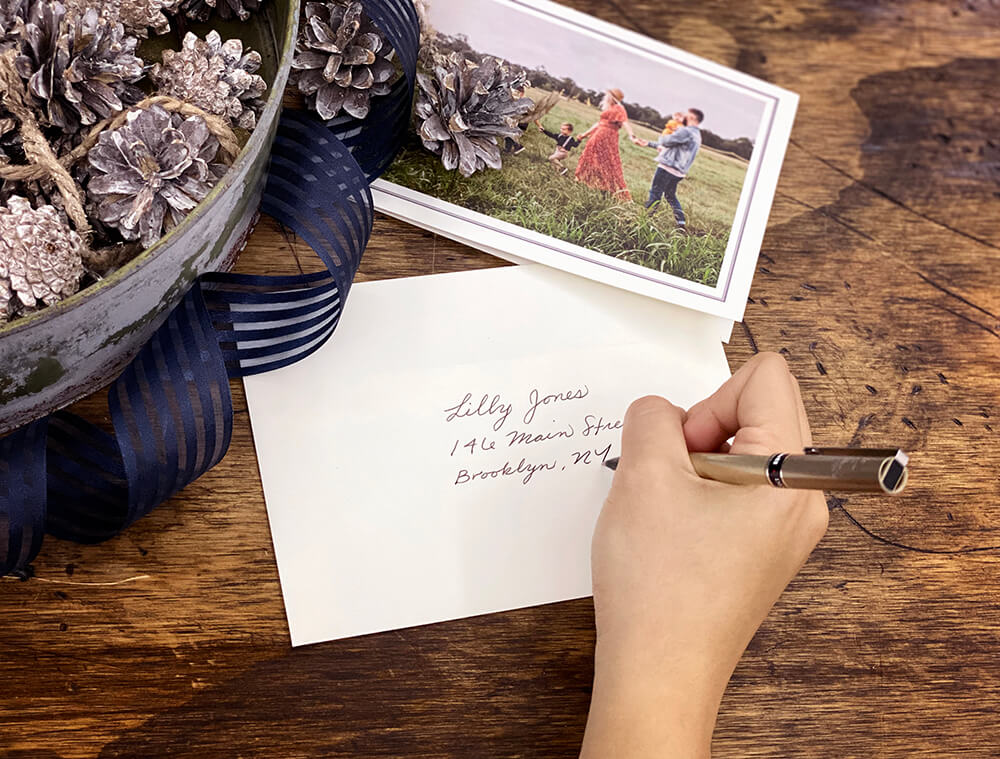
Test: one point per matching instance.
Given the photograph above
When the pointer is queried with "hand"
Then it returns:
(541, 128)
(686, 569)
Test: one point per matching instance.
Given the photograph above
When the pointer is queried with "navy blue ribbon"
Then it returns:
(170, 409)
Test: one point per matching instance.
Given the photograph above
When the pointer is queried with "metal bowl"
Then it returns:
(64, 352)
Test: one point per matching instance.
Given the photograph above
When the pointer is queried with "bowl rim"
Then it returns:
(247, 154)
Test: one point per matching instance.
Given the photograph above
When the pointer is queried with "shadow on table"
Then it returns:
(513, 684)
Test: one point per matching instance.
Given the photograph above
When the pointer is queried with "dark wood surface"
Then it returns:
(878, 281)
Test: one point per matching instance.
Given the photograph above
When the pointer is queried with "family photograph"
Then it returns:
(600, 165)
(606, 150)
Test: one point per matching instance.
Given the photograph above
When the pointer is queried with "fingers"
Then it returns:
(760, 405)
(804, 429)
(653, 436)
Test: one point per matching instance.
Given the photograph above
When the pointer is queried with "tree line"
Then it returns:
(644, 114)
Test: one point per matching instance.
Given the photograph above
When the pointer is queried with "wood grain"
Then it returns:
(878, 282)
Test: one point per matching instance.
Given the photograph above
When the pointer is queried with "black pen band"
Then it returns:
(774, 469)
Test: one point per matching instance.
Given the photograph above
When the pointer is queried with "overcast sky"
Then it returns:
(595, 64)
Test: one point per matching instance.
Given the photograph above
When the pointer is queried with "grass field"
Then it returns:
(528, 192)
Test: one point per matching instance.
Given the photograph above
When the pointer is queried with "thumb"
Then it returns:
(653, 436)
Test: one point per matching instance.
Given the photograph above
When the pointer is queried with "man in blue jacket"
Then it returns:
(677, 152)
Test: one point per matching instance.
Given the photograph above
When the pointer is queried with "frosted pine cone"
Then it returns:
(137, 16)
(341, 59)
(151, 172)
(464, 107)
(40, 257)
(216, 76)
(10, 140)
(11, 151)
(79, 72)
(202, 10)
(12, 16)
(39, 192)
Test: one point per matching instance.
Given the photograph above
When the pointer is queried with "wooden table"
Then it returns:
(878, 282)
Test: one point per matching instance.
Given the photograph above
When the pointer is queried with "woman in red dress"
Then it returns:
(600, 164)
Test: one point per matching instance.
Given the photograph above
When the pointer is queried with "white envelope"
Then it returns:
(440, 456)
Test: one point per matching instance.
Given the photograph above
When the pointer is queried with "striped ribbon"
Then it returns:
(171, 409)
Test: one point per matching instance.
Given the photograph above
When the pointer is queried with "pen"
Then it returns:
(866, 470)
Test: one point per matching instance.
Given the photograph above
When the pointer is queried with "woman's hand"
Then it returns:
(590, 131)
(686, 569)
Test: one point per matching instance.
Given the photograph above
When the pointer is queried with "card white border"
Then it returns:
(728, 298)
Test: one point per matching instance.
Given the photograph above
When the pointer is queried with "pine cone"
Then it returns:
(10, 139)
(201, 10)
(341, 59)
(137, 16)
(11, 152)
(40, 257)
(38, 192)
(78, 72)
(463, 107)
(13, 13)
(43, 192)
(149, 173)
(216, 76)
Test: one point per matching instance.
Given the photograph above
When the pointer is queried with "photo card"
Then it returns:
(543, 134)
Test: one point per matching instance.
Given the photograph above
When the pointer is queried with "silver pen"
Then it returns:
(865, 470)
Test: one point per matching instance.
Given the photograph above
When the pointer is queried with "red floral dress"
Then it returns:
(600, 164)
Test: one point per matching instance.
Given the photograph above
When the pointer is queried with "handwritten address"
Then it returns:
(506, 441)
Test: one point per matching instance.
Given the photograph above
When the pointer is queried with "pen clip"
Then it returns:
(872, 453)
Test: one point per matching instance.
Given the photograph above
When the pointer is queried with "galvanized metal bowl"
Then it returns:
(64, 352)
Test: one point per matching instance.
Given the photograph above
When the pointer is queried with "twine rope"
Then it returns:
(43, 162)
(36, 147)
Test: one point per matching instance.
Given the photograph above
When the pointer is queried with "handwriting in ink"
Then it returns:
(594, 425)
(523, 467)
(486, 407)
(477, 443)
(583, 457)
(536, 399)
(516, 437)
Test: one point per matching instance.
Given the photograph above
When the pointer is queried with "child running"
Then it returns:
(565, 142)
